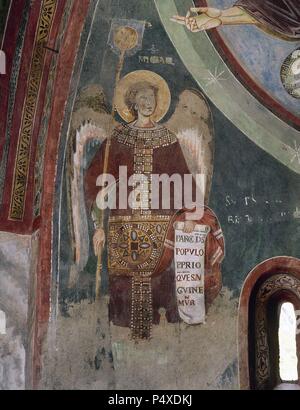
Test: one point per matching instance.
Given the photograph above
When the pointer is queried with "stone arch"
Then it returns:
(44, 283)
(267, 286)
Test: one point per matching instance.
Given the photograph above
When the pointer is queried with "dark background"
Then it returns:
(4, 6)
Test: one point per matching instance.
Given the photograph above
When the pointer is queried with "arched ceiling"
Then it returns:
(33, 42)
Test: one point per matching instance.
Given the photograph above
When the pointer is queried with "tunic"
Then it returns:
(140, 254)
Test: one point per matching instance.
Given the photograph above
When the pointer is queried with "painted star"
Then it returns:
(214, 78)
(296, 153)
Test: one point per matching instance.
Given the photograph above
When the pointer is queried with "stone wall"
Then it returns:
(84, 351)
(15, 252)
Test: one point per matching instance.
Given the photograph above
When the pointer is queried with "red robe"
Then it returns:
(280, 16)
(167, 159)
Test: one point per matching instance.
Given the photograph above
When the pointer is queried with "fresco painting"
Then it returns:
(153, 172)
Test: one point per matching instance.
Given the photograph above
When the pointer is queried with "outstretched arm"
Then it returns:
(207, 18)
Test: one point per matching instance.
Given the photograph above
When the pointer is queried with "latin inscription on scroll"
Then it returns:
(189, 268)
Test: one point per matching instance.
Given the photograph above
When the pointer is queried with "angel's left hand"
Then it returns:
(189, 226)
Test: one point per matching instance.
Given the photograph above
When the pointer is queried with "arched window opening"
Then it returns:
(267, 288)
(2, 323)
(288, 362)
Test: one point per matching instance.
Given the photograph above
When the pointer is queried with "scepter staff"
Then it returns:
(125, 39)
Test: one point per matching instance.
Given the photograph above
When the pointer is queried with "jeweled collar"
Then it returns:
(132, 136)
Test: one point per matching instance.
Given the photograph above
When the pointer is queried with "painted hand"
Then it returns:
(98, 241)
(207, 19)
(189, 226)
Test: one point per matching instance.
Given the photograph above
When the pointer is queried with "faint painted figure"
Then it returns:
(278, 17)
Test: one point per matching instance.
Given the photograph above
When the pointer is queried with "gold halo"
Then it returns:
(163, 95)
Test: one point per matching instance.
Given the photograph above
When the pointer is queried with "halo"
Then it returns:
(163, 95)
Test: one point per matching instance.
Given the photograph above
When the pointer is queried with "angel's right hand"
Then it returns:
(98, 241)
(206, 19)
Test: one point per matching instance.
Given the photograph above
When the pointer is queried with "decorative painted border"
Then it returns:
(21, 171)
(41, 143)
(63, 89)
(14, 77)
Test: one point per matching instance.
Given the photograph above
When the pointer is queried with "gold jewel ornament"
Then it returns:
(125, 38)
(134, 250)
(141, 308)
(144, 138)
(136, 246)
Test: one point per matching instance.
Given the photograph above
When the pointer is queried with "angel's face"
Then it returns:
(145, 102)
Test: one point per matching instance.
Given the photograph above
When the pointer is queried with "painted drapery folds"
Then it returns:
(280, 16)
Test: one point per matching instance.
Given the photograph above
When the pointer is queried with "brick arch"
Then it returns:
(255, 280)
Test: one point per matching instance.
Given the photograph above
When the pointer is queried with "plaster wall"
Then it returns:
(15, 254)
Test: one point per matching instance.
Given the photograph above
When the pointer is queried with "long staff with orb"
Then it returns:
(125, 38)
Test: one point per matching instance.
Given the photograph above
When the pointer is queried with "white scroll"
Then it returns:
(189, 271)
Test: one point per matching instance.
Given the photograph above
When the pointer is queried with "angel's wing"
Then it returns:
(90, 127)
(89, 136)
(192, 123)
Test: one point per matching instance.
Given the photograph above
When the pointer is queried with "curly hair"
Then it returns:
(130, 96)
